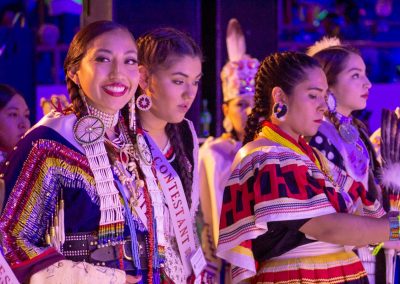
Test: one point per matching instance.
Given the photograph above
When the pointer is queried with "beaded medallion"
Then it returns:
(88, 129)
(348, 132)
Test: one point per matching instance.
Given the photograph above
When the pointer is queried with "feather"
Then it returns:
(235, 41)
(390, 177)
(324, 43)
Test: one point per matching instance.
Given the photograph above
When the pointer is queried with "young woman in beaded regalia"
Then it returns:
(170, 71)
(216, 154)
(343, 139)
(284, 218)
(79, 208)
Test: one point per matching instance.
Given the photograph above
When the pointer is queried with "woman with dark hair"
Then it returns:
(14, 120)
(79, 208)
(343, 139)
(284, 218)
(170, 71)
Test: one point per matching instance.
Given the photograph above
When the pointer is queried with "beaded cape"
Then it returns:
(47, 161)
(276, 183)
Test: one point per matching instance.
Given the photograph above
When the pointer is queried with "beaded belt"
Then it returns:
(84, 247)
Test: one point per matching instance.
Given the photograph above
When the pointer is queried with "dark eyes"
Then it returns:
(103, 59)
(355, 76)
(242, 105)
(177, 82)
(311, 96)
(131, 61)
(181, 82)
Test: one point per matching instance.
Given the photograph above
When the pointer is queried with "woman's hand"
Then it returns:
(133, 279)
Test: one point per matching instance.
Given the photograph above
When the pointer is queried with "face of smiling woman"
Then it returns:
(108, 73)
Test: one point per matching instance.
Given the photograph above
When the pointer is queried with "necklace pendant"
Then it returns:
(349, 133)
(88, 130)
(144, 150)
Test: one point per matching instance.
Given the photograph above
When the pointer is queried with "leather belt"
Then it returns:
(84, 247)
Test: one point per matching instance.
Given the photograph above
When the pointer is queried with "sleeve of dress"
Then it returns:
(353, 192)
(268, 186)
(45, 170)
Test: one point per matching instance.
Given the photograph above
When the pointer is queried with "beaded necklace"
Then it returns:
(356, 151)
(109, 120)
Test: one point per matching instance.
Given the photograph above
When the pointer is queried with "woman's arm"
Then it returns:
(347, 229)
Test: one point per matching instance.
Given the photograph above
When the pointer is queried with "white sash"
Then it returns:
(177, 205)
(6, 274)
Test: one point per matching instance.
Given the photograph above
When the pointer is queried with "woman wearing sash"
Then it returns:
(344, 140)
(170, 71)
(284, 218)
(79, 207)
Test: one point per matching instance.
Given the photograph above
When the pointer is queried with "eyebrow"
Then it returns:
(315, 89)
(354, 69)
(185, 75)
(109, 51)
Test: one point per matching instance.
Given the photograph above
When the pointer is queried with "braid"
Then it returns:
(262, 104)
(78, 105)
(185, 168)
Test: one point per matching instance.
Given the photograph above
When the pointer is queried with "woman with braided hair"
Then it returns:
(284, 218)
(170, 71)
(79, 184)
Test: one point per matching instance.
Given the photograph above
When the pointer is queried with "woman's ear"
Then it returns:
(144, 76)
(72, 74)
(278, 95)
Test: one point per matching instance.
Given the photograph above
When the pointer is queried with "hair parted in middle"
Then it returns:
(284, 70)
(160, 48)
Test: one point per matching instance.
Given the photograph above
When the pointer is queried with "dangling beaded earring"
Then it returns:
(331, 102)
(280, 110)
(143, 102)
(132, 115)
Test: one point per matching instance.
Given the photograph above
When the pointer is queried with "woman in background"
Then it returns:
(14, 120)
(343, 139)
(216, 154)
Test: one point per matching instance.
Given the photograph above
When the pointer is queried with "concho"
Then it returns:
(144, 150)
(88, 129)
(348, 132)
